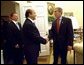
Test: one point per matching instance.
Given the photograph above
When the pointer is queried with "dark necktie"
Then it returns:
(57, 24)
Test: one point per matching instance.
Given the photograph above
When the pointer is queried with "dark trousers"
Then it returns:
(18, 56)
(62, 52)
(7, 56)
(31, 56)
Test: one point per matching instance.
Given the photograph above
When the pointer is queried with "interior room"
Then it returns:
(44, 18)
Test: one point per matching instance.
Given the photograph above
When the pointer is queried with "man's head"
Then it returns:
(14, 16)
(31, 14)
(58, 12)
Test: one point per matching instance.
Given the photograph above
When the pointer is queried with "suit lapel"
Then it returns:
(33, 24)
(15, 26)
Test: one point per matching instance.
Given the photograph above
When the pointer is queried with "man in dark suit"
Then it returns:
(32, 38)
(15, 38)
(3, 31)
(62, 34)
(4, 41)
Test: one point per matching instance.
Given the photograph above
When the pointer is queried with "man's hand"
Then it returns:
(16, 46)
(69, 48)
(47, 40)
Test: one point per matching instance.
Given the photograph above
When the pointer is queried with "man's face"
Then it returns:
(57, 13)
(15, 17)
(33, 15)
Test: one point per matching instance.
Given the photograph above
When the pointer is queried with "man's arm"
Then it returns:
(69, 34)
(31, 32)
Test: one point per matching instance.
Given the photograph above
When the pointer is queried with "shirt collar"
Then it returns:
(14, 22)
(60, 19)
(31, 20)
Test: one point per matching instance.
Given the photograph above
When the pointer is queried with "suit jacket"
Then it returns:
(15, 35)
(32, 38)
(12, 36)
(3, 32)
(65, 35)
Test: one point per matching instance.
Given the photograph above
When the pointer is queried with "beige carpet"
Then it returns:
(49, 59)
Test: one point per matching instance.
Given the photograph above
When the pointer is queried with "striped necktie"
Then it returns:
(57, 24)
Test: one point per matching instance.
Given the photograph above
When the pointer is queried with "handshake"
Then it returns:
(47, 39)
